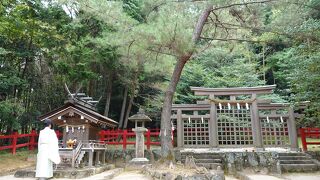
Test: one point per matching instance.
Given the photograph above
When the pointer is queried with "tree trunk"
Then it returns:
(166, 142)
(125, 123)
(123, 108)
(108, 94)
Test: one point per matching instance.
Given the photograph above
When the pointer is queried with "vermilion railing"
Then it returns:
(110, 137)
(309, 133)
(13, 140)
(122, 137)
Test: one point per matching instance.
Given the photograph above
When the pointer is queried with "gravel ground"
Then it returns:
(104, 175)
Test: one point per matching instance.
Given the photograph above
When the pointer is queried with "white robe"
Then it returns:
(48, 153)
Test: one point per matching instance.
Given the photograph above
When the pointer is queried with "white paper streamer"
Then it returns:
(72, 129)
(189, 120)
(202, 120)
(220, 106)
(247, 106)
(229, 106)
(238, 106)
(67, 129)
(268, 121)
(281, 119)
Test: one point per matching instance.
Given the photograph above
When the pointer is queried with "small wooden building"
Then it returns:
(80, 121)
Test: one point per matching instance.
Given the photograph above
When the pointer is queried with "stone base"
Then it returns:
(163, 174)
(137, 163)
(259, 149)
(141, 161)
(66, 173)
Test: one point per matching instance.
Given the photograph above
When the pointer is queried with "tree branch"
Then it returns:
(232, 39)
(242, 4)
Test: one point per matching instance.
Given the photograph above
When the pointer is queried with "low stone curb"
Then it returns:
(66, 173)
(114, 173)
(242, 176)
(211, 175)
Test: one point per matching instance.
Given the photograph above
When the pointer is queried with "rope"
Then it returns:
(216, 101)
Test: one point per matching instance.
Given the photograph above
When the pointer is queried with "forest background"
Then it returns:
(124, 52)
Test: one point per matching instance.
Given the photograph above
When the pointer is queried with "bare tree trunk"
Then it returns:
(166, 142)
(108, 94)
(263, 64)
(123, 108)
(125, 123)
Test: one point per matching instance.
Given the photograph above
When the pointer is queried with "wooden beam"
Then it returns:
(200, 91)
(190, 107)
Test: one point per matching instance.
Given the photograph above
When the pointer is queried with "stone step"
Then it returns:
(296, 162)
(294, 158)
(202, 155)
(209, 165)
(205, 160)
(291, 154)
(299, 167)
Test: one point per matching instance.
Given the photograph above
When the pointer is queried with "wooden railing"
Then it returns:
(76, 153)
(107, 137)
(122, 137)
(309, 133)
(26, 140)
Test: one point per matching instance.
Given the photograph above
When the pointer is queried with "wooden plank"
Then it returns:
(190, 107)
(201, 91)
(274, 115)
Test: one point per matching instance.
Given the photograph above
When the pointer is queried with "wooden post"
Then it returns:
(292, 130)
(256, 125)
(104, 157)
(14, 142)
(97, 158)
(148, 139)
(124, 139)
(213, 130)
(32, 139)
(303, 139)
(90, 158)
(179, 129)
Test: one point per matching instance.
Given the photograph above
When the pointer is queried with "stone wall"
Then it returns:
(314, 154)
(259, 162)
(120, 157)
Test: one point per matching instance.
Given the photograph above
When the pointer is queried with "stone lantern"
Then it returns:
(139, 119)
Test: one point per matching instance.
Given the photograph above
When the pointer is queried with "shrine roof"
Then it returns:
(78, 108)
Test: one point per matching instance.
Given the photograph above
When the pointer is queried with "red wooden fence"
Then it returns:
(309, 133)
(14, 138)
(120, 137)
(111, 137)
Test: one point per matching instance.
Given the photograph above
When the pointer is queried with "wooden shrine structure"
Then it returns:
(235, 117)
(81, 124)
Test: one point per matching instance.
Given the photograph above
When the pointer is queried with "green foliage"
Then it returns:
(218, 68)
(135, 43)
(10, 114)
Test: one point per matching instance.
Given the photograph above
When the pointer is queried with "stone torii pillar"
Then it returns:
(140, 118)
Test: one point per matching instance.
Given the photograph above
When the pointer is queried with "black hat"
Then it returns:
(48, 122)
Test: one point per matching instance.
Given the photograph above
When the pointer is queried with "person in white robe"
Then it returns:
(48, 152)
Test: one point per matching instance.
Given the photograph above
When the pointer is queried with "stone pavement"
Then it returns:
(135, 175)
(302, 176)
(289, 176)
(102, 176)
